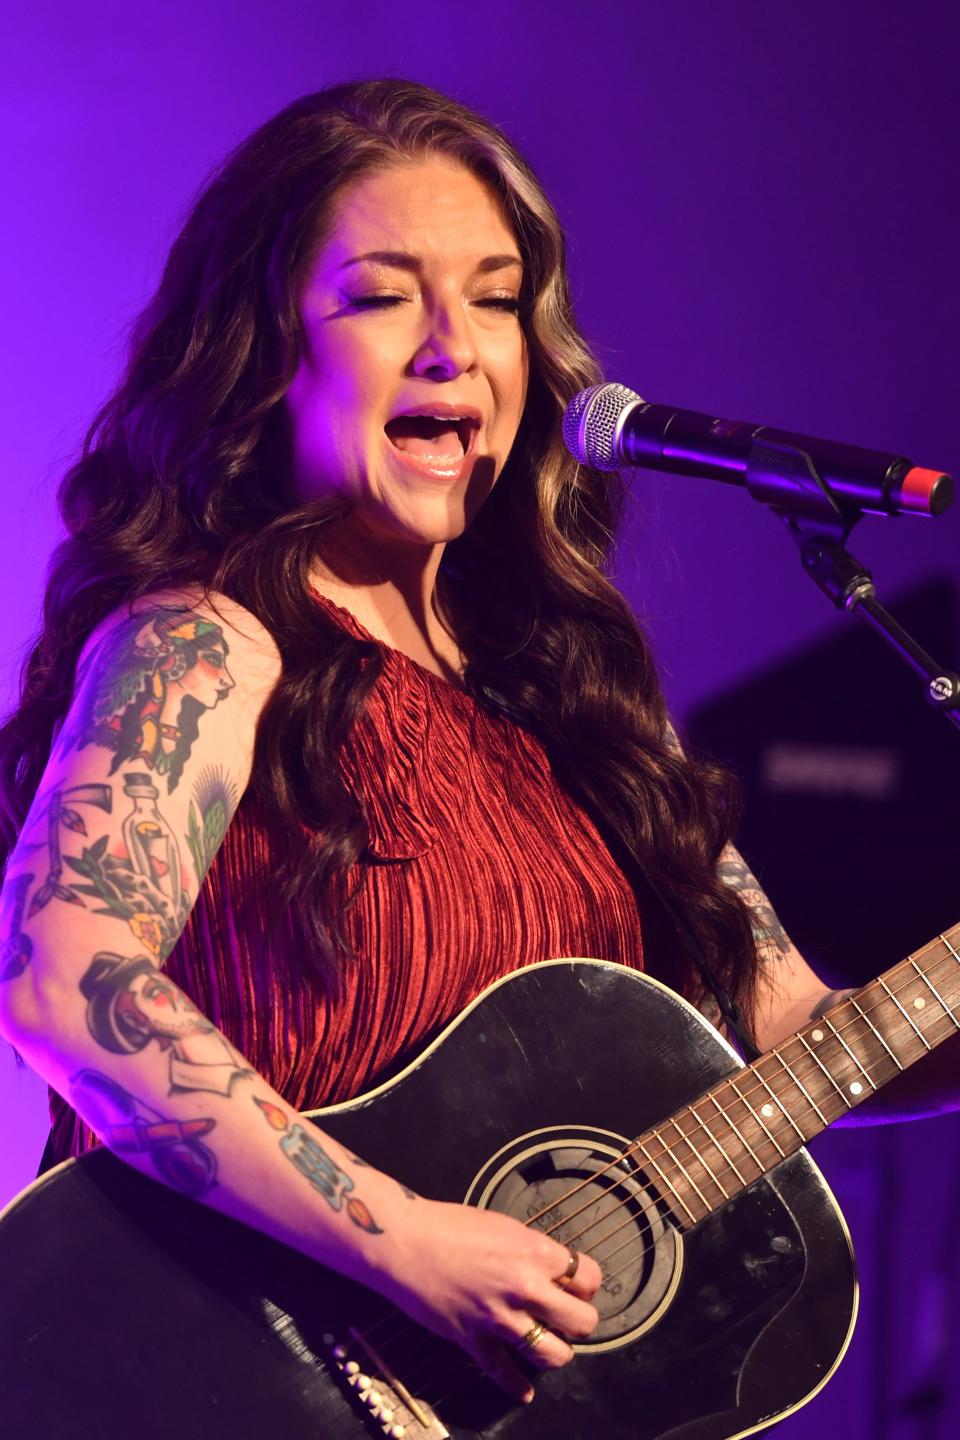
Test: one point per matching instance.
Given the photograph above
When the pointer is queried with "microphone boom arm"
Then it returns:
(784, 477)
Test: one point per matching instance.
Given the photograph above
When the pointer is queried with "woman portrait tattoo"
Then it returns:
(143, 690)
(130, 1003)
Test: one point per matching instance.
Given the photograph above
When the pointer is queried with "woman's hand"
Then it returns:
(485, 1281)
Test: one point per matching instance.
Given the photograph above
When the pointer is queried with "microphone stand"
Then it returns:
(785, 478)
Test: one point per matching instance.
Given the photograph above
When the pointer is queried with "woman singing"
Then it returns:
(336, 717)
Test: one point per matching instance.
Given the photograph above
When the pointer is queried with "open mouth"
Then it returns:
(446, 438)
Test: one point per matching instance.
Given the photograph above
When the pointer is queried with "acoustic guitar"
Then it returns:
(576, 1095)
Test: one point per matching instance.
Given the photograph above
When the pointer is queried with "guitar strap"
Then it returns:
(47, 1159)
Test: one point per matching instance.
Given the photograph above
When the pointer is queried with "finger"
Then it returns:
(587, 1278)
(500, 1365)
(563, 1311)
(562, 1259)
(550, 1352)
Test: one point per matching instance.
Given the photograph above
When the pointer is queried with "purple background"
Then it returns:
(761, 202)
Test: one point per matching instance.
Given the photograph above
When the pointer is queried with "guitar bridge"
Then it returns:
(400, 1414)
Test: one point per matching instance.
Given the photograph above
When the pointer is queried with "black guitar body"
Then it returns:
(131, 1313)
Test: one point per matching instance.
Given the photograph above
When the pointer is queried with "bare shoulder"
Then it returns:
(190, 613)
(178, 676)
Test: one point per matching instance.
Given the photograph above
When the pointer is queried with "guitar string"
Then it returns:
(638, 1171)
(728, 1083)
(635, 1259)
(794, 1073)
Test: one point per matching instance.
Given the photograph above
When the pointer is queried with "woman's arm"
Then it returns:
(108, 864)
(790, 994)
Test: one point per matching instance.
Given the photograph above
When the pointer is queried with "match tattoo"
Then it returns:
(143, 689)
(130, 1003)
(767, 929)
(131, 1127)
(324, 1174)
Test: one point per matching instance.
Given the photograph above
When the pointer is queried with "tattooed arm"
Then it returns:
(154, 752)
(790, 994)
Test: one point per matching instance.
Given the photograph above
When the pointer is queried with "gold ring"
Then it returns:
(564, 1280)
(532, 1338)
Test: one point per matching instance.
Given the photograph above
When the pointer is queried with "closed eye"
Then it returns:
(372, 302)
(377, 302)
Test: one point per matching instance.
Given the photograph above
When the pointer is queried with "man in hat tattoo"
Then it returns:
(130, 1003)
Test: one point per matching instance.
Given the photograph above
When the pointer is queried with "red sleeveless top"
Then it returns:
(478, 863)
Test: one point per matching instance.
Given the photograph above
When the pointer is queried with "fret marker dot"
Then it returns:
(919, 1003)
(766, 1111)
(817, 1034)
(856, 1088)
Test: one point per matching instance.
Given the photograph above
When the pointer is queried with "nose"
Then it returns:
(449, 348)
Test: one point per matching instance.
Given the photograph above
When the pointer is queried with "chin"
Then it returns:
(429, 520)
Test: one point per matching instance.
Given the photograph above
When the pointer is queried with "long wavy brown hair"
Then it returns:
(185, 478)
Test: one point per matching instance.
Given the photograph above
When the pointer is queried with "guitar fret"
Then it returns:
(683, 1169)
(851, 1000)
(761, 1168)
(816, 1059)
(703, 1124)
(672, 1188)
(769, 1134)
(935, 993)
(860, 1066)
(852, 1052)
(802, 1088)
(697, 1154)
(909, 1018)
(778, 1102)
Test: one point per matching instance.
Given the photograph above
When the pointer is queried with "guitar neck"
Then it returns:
(746, 1124)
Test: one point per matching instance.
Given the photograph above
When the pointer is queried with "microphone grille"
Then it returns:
(591, 422)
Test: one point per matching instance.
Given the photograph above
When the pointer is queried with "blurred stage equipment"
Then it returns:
(850, 807)
(850, 818)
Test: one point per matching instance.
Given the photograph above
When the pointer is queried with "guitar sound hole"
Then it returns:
(575, 1185)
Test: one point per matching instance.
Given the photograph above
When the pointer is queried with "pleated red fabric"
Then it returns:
(478, 864)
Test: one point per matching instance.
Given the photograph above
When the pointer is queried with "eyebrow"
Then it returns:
(401, 260)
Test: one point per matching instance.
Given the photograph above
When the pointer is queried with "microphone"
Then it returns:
(609, 427)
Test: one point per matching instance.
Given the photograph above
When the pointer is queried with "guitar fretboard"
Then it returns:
(746, 1124)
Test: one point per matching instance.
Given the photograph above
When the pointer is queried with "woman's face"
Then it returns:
(413, 376)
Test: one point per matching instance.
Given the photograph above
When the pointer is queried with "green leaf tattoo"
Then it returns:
(142, 885)
(211, 810)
